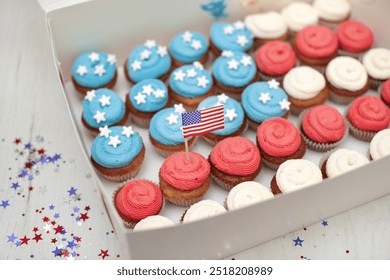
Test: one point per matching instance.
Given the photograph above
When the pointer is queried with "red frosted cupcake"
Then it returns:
(367, 115)
(136, 200)
(184, 182)
(385, 93)
(279, 140)
(315, 46)
(234, 160)
(274, 60)
(323, 128)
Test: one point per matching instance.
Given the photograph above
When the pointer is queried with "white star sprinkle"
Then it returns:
(111, 59)
(162, 51)
(239, 25)
(273, 84)
(127, 131)
(242, 40)
(284, 104)
(99, 116)
(196, 45)
(203, 81)
(159, 93)
(94, 57)
(82, 70)
(233, 64)
(179, 75)
(227, 54)
(136, 65)
(140, 98)
(91, 94)
(150, 44)
(145, 54)
(104, 131)
(187, 37)
(264, 97)
(222, 98)
(114, 141)
(47, 227)
(246, 60)
(198, 65)
(147, 89)
(231, 114)
(99, 70)
(191, 73)
(228, 30)
(105, 100)
(179, 108)
(172, 119)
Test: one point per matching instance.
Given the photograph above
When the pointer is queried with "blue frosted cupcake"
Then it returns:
(93, 70)
(148, 61)
(190, 84)
(187, 47)
(145, 99)
(165, 132)
(230, 36)
(117, 152)
(264, 100)
(233, 71)
(103, 107)
(235, 122)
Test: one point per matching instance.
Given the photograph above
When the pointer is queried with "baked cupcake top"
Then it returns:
(191, 80)
(385, 92)
(369, 113)
(202, 210)
(103, 107)
(231, 36)
(377, 63)
(298, 15)
(149, 95)
(295, 174)
(247, 193)
(316, 41)
(380, 144)
(354, 36)
(138, 199)
(94, 69)
(323, 124)
(153, 222)
(234, 69)
(264, 100)
(188, 46)
(236, 156)
(183, 174)
(345, 72)
(333, 10)
(275, 58)
(344, 160)
(116, 146)
(234, 114)
(278, 137)
(303, 83)
(165, 126)
(268, 25)
(148, 61)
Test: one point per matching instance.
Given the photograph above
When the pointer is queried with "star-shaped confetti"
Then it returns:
(228, 30)
(127, 131)
(136, 65)
(99, 117)
(273, 84)
(203, 82)
(111, 58)
(57, 252)
(72, 191)
(191, 73)
(179, 75)
(233, 64)
(264, 97)
(196, 45)
(145, 54)
(222, 98)
(24, 240)
(105, 100)
(82, 70)
(150, 44)
(285, 104)
(94, 56)
(159, 93)
(242, 40)
(231, 114)
(162, 51)
(103, 254)
(5, 203)
(246, 60)
(179, 108)
(47, 227)
(15, 186)
(104, 131)
(91, 94)
(11, 238)
(37, 237)
(114, 141)
(147, 89)
(172, 119)
(298, 241)
(187, 37)
(99, 70)
(140, 98)
(324, 223)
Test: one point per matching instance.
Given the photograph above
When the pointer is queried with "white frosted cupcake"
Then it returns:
(153, 222)
(202, 210)
(247, 193)
(347, 79)
(332, 12)
(266, 27)
(377, 63)
(380, 145)
(295, 174)
(341, 161)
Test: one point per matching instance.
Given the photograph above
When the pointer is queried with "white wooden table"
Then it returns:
(50, 207)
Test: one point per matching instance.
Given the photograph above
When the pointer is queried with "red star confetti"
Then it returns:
(24, 240)
(103, 254)
(37, 237)
(84, 216)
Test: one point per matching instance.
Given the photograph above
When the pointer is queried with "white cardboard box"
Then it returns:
(116, 26)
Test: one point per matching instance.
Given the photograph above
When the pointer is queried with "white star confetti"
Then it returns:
(111, 59)
(242, 40)
(264, 97)
(273, 84)
(105, 100)
(187, 37)
(179, 75)
(285, 104)
(114, 141)
(150, 44)
(145, 54)
(231, 114)
(82, 70)
(246, 60)
(233, 64)
(228, 30)
(191, 73)
(196, 45)
(227, 54)
(239, 25)
(104, 131)
(172, 119)
(147, 89)
(99, 70)
(198, 65)
(99, 116)
(222, 98)
(127, 131)
(47, 227)
(136, 65)
(91, 94)
(162, 51)
(179, 108)
(94, 57)
(140, 98)
(159, 93)
(203, 81)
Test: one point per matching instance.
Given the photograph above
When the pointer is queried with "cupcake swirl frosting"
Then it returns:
(344, 160)
(185, 175)
(354, 36)
(188, 46)
(380, 144)
(202, 210)
(369, 113)
(266, 25)
(278, 137)
(377, 63)
(236, 156)
(303, 83)
(298, 15)
(153, 222)
(346, 73)
(247, 193)
(149, 95)
(231, 36)
(138, 199)
(296, 174)
(333, 10)
(323, 124)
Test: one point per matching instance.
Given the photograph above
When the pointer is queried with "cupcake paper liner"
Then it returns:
(375, 84)
(357, 56)
(265, 77)
(320, 69)
(270, 165)
(252, 125)
(330, 24)
(167, 153)
(182, 203)
(340, 99)
(361, 134)
(296, 111)
(141, 122)
(222, 184)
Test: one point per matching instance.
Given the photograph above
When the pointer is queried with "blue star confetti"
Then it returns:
(72, 191)
(324, 223)
(4, 203)
(216, 8)
(298, 241)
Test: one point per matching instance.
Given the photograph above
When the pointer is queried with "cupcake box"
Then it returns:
(73, 32)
